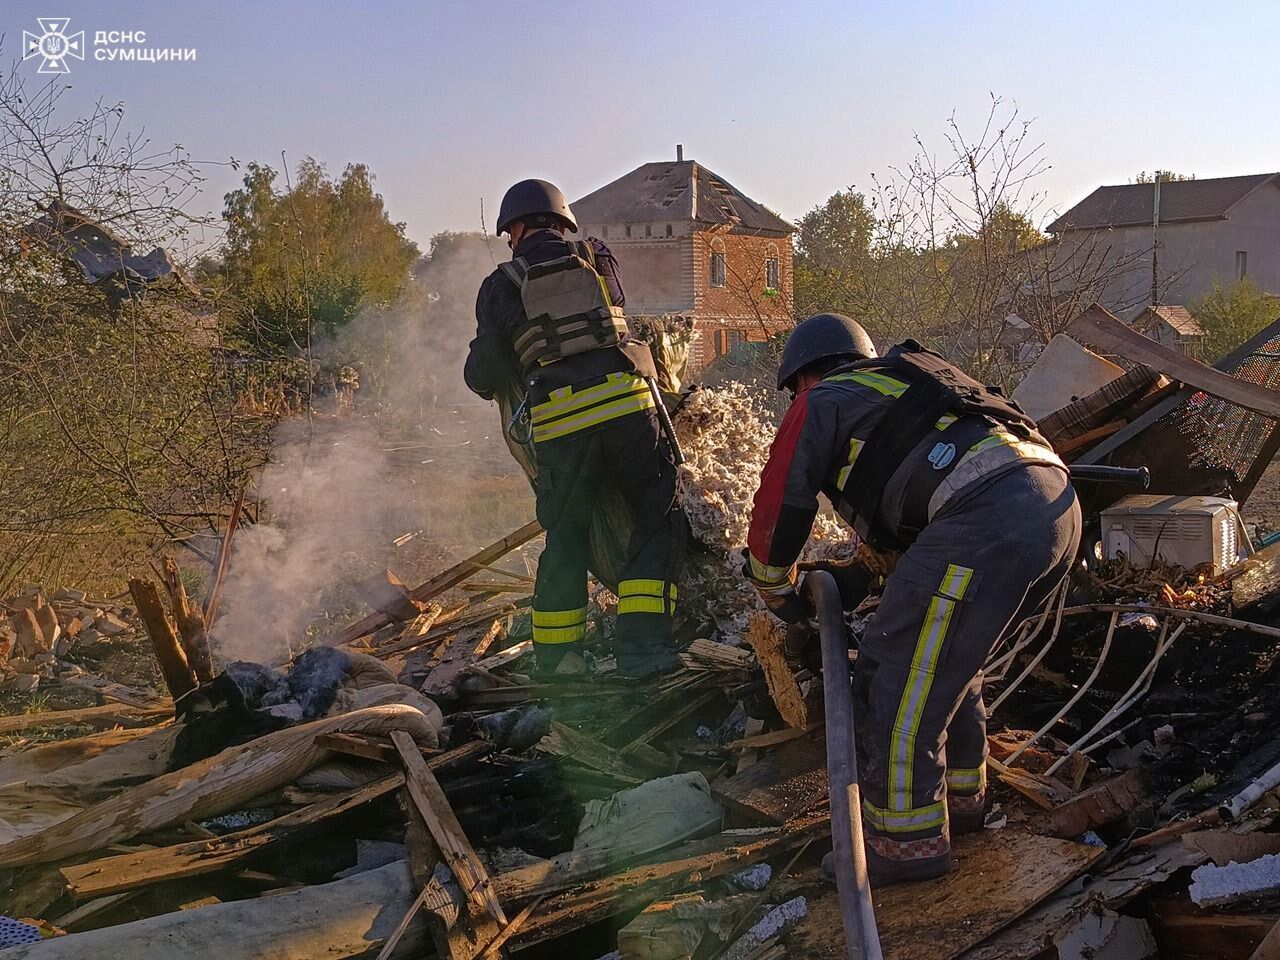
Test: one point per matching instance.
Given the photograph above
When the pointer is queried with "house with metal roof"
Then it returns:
(1171, 241)
(688, 242)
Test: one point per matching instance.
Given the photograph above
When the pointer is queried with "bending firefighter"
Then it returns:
(552, 318)
(917, 457)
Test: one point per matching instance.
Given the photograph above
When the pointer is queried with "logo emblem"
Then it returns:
(941, 455)
(53, 46)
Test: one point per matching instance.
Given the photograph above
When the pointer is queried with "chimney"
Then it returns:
(679, 153)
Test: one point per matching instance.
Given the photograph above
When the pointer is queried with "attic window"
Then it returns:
(648, 230)
(669, 231)
(627, 230)
(1242, 264)
(604, 231)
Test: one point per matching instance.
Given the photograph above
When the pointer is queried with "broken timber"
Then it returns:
(448, 579)
(177, 672)
(767, 638)
(130, 871)
(454, 846)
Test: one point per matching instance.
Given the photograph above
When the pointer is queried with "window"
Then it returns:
(1242, 264)
(628, 231)
(717, 269)
(648, 230)
(772, 274)
(669, 230)
(604, 232)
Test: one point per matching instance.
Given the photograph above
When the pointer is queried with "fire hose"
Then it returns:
(857, 913)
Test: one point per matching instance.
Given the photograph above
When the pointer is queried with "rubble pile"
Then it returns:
(411, 785)
(39, 633)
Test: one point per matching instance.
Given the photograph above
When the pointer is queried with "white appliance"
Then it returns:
(1187, 531)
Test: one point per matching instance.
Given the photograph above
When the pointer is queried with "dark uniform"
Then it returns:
(593, 424)
(989, 526)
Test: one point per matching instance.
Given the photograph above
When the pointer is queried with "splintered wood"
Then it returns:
(767, 638)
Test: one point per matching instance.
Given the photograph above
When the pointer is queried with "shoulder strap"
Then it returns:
(515, 270)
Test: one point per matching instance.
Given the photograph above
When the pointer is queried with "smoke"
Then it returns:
(418, 457)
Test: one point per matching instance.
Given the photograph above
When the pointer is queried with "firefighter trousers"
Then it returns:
(631, 455)
(979, 568)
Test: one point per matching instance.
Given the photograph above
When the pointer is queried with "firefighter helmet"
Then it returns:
(821, 336)
(538, 202)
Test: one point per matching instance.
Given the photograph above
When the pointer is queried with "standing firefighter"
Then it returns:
(917, 457)
(552, 318)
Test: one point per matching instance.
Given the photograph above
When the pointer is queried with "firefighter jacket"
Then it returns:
(829, 443)
(575, 393)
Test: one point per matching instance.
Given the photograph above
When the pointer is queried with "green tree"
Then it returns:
(1231, 314)
(301, 263)
(1164, 176)
(833, 254)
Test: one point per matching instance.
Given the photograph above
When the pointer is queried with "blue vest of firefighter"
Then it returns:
(922, 460)
(593, 424)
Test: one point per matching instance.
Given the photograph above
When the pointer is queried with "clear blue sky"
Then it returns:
(449, 102)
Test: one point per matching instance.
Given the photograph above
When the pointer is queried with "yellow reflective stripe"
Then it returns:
(994, 440)
(559, 618)
(967, 780)
(879, 382)
(565, 400)
(634, 403)
(904, 821)
(654, 588)
(855, 448)
(906, 725)
(559, 634)
(646, 596)
(641, 605)
(767, 576)
(944, 421)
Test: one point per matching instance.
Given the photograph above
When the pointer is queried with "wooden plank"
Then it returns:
(140, 868)
(773, 738)
(694, 863)
(781, 786)
(569, 744)
(1104, 803)
(448, 579)
(1269, 948)
(177, 672)
(143, 698)
(999, 876)
(447, 832)
(454, 627)
(446, 670)
(107, 715)
(79, 917)
(767, 638)
(1102, 329)
(673, 717)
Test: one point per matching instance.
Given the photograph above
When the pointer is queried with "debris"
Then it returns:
(651, 815)
(767, 638)
(773, 924)
(1214, 886)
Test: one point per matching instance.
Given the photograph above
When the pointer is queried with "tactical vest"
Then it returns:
(567, 306)
(935, 389)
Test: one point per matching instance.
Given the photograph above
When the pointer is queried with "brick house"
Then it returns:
(1221, 229)
(688, 242)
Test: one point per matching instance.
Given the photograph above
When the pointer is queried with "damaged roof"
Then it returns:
(1181, 201)
(1177, 317)
(677, 190)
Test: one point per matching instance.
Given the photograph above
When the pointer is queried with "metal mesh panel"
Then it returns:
(1227, 436)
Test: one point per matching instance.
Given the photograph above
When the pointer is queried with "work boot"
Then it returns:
(883, 872)
(634, 666)
(966, 814)
(571, 665)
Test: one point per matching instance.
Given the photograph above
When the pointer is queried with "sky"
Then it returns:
(451, 101)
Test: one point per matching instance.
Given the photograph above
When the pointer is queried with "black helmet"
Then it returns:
(535, 200)
(820, 336)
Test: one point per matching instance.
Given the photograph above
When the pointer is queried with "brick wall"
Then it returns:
(743, 295)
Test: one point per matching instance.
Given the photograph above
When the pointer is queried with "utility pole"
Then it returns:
(1155, 243)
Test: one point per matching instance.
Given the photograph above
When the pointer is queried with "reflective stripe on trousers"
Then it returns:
(559, 626)
(646, 596)
(901, 816)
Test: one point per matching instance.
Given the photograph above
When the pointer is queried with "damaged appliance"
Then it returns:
(1182, 531)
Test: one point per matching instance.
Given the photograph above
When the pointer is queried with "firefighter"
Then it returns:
(919, 458)
(552, 317)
